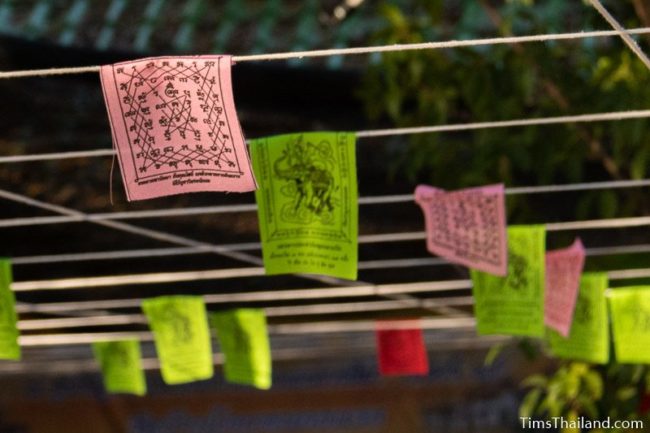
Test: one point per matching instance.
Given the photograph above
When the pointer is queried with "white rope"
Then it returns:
(286, 329)
(267, 296)
(581, 118)
(182, 241)
(304, 294)
(66, 366)
(284, 311)
(358, 50)
(218, 274)
(164, 252)
(371, 200)
(57, 156)
(621, 31)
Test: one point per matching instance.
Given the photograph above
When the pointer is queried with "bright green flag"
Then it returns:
(244, 342)
(9, 348)
(182, 337)
(121, 365)
(307, 200)
(630, 310)
(588, 338)
(514, 305)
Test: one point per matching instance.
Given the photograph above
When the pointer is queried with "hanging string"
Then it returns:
(279, 329)
(178, 240)
(219, 274)
(369, 200)
(511, 40)
(621, 31)
(321, 293)
(580, 118)
(284, 311)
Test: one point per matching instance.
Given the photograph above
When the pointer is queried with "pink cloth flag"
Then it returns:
(175, 126)
(563, 270)
(467, 226)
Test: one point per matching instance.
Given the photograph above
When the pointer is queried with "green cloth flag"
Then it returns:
(244, 342)
(121, 365)
(588, 338)
(514, 304)
(182, 337)
(307, 200)
(630, 311)
(9, 348)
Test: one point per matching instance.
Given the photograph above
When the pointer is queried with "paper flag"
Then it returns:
(307, 203)
(182, 337)
(121, 365)
(400, 348)
(175, 126)
(245, 344)
(563, 269)
(589, 337)
(466, 226)
(630, 311)
(514, 305)
(9, 348)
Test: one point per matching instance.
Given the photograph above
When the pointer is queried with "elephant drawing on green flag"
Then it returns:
(307, 169)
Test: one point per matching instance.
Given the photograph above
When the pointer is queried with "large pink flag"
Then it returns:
(563, 270)
(467, 226)
(175, 127)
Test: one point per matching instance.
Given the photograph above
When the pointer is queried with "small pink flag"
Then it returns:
(563, 270)
(400, 348)
(175, 126)
(467, 226)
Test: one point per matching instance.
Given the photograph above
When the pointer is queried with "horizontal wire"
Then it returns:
(284, 311)
(75, 366)
(580, 118)
(217, 274)
(165, 252)
(251, 207)
(181, 241)
(285, 329)
(263, 296)
(358, 50)
(299, 294)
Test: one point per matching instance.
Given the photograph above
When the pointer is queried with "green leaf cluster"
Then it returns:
(502, 82)
(582, 390)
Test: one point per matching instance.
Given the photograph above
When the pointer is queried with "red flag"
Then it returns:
(400, 348)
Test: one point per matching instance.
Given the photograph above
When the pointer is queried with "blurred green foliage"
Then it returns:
(619, 392)
(502, 82)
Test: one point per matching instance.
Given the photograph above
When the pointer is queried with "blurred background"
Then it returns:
(323, 382)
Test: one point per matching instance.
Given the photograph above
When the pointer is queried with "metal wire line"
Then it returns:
(250, 207)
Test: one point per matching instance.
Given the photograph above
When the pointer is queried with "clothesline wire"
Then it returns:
(63, 366)
(180, 251)
(271, 312)
(284, 329)
(621, 31)
(184, 241)
(243, 272)
(250, 207)
(510, 40)
(580, 118)
(321, 293)
(606, 223)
